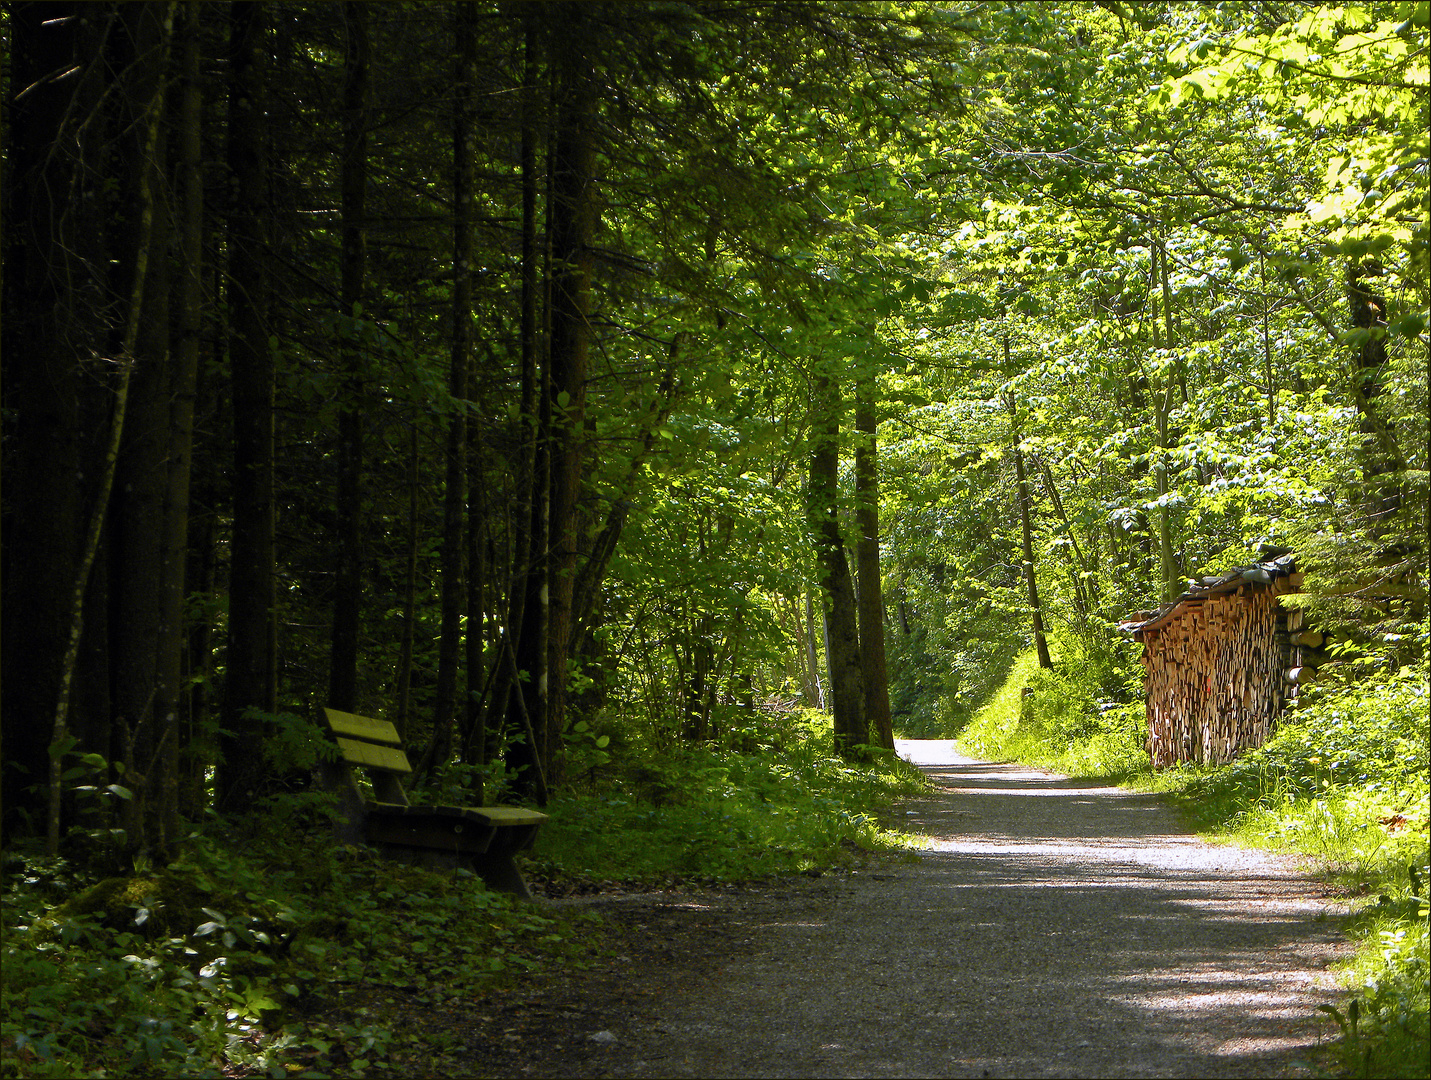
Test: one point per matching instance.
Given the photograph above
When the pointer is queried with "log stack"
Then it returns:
(1221, 662)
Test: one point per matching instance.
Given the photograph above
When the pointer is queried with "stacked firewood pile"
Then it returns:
(1220, 663)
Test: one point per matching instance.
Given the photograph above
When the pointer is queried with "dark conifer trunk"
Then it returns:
(54, 326)
(523, 559)
(250, 681)
(455, 455)
(143, 649)
(187, 326)
(409, 588)
(574, 219)
(348, 576)
(470, 715)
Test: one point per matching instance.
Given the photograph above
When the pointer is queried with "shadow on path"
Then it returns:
(1053, 928)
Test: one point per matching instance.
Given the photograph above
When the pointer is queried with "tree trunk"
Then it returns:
(55, 328)
(188, 325)
(815, 690)
(524, 560)
(574, 220)
(1026, 533)
(197, 703)
(1026, 523)
(842, 639)
(472, 712)
(144, 645)
(1162, 411)
(348, 504)
(250, 682)
(1085, 579)
(1031, 580)
(871, 607)
(527, 704)
(593, 568)
(409, 590)
(454, 502)
(1268, 368)
(146, 101)
(1382, 495)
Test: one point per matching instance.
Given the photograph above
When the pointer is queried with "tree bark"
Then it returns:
(1085, 580)
(842, 640)
(348, 504)
(815, 689)
(54, 327)
(251, 679)
(144, 630)
(189, 305)
(1026, 534)
(525, 703)
(871, 594)
(147, 111)
(475, 644)
(409, 590)
(593, 568)
(1162, 411)
(455, 499)
(574, 221)
(524, 560)
(1380, 456)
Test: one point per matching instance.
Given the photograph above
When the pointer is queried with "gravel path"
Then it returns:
(1052, 929)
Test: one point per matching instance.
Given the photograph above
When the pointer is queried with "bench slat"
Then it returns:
(499, 816)
(508, 815)
(372, 756)
(363, 727)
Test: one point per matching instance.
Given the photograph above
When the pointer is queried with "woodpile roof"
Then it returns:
(1279, 564)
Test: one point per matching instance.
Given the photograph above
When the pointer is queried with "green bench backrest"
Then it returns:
(372, 744)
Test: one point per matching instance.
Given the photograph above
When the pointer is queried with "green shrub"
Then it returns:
(696, 812)
(1077, 718)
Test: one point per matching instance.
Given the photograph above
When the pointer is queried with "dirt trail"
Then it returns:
(1052, 929)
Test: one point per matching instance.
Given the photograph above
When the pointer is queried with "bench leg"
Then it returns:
(500, 873)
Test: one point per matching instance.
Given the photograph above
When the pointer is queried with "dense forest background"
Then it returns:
(653, 409)
(550, 378)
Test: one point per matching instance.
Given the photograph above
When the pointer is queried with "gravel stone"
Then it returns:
(1052, 928)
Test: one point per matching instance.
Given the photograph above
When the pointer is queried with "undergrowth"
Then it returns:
(267, 950)
(263, 950)
(698, 813)
(1083, 717)
(1343, 782)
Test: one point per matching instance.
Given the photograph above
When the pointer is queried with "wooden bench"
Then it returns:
(481, 839)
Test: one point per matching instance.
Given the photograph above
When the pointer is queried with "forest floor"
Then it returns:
(1051, 928)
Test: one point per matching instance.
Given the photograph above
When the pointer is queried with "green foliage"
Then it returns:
(1390, 979)
(291, 742)
(1368, 740)
(1077, 718)
(267, 950)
